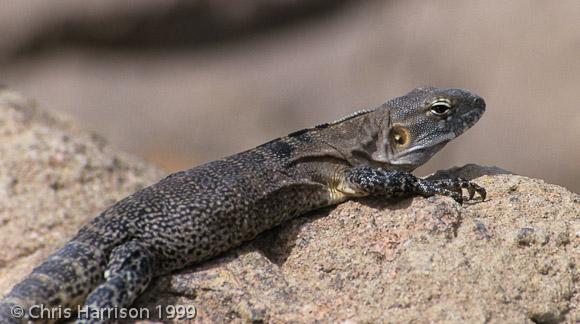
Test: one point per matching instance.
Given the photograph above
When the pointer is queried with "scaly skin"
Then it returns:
(194, 215)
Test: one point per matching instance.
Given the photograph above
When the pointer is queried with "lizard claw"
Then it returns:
(458, 199)
(472, 188)
(452, 188)
(480, 190)
(429, 188)
(471, 192)
(460, 183)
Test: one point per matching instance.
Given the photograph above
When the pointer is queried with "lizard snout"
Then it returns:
(479, 103)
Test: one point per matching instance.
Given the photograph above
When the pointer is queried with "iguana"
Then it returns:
(193, 215)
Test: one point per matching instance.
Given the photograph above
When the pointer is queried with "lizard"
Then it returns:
(193, 215)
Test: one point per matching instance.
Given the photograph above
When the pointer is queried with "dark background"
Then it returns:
(184, 82)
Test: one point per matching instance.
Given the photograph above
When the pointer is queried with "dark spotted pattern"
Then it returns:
(199, 213)
(281, 149)
(129, 271)
(194, 215)
(399, 184)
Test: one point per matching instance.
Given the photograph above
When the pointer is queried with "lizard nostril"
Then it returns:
(479, 102)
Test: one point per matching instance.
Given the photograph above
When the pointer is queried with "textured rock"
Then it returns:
(512, 258)
(53, 179)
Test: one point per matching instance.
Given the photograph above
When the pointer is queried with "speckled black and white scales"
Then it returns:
(194, 215)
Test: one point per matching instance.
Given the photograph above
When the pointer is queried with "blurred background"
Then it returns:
(184, 82)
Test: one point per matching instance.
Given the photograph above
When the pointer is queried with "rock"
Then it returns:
(53, 179)
(512, 258)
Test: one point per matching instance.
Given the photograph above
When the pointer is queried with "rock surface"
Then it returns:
(512, 258)
(53, 179)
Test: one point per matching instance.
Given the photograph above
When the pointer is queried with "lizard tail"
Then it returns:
(56, 287)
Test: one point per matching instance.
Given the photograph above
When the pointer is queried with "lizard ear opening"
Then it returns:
(399, 137)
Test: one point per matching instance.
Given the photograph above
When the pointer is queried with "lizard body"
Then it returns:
(193, 215)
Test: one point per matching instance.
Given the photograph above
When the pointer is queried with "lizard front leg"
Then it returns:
(366, 180)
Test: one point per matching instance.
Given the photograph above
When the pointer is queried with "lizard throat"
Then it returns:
(419, 154)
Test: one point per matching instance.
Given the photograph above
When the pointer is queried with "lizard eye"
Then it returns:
(400, 136)
(441, 107)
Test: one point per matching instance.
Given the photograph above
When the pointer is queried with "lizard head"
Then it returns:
(412, 128)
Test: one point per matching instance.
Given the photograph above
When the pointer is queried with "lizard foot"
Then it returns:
(453, 188)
